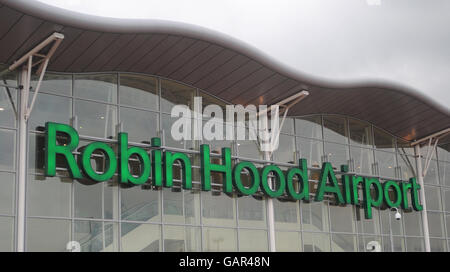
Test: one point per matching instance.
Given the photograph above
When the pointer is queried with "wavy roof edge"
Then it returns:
(94, 23)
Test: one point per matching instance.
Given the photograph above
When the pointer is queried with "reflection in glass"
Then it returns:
(95, 119)
(337, 154)
(138, 91)
(53, 83)
(180, 239)
(364, 240)
(360, 133)
(140, 125)
(310, 126)
(96, 236)
(316, 242)
(140, 237)
(413, 223)
(335, 129)
(140, 203)
(286, 214)
(343, 242)
(432, 172)
(253, 240)
(433, 198)
(386, 163)
(362, 160)
(286, 149)
(102, 87)
(175, 94)
(444, 173)
(217, 239)
(311, 150)
(367, 226)
(383, 141)
(49, 108)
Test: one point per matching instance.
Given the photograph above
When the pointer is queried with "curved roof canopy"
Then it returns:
(213, 62)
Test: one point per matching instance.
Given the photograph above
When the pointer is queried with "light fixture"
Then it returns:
(2, 109)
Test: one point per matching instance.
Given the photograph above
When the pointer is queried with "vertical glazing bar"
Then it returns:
(420, 177)
(22, 160)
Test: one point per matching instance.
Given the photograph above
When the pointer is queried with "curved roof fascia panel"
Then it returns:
(217, 63)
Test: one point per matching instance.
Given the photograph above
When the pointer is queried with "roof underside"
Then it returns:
(204, 61)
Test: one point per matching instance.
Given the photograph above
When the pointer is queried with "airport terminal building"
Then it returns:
(101, 77)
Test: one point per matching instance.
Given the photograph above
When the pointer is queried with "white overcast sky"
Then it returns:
(403, 41)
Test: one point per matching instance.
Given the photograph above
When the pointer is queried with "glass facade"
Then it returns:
(111, 216)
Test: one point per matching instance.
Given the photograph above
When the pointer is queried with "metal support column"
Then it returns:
(23, 127)
(420, 176)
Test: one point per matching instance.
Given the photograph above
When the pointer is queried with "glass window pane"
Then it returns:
(141, 237)
(311, 150)
(95, 119)
(316, 242)
(167, 122)
(364, 240)
(175, 94)
(444, 173)
(286, 149)
(310, 126)
(49, 196)
(432, 172)
(102, 87)
(288, 126)
(216, 239)
(433, 198)
(444, 152)
(438, 245)
(96, 236)
(360, 133)
(7, 149)
(253, 240)
(138, 91)
(413, 223)
(341, 218)
(398, 244)
(337, 154)
(367, 226)
(314, 216)
(389, 224)
(415, 244)
(219, 209)
(180, 206)
(286, 214)
(47, 234)
(140, 125)
(383, 140)
(362, 159)
(49, 108)
(180, 239)
(252, 211)
(8, 106)
(7, 193)
(288, 241)
(248, 149)
(436, 224)
(404, 148)
(140, 203)
(446, 200)
(6, 234)
(386, 163)
(54, 83)
(343, 242)
(407, 166)
(335, 129)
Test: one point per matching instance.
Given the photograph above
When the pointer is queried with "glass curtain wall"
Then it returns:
(111, 216)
